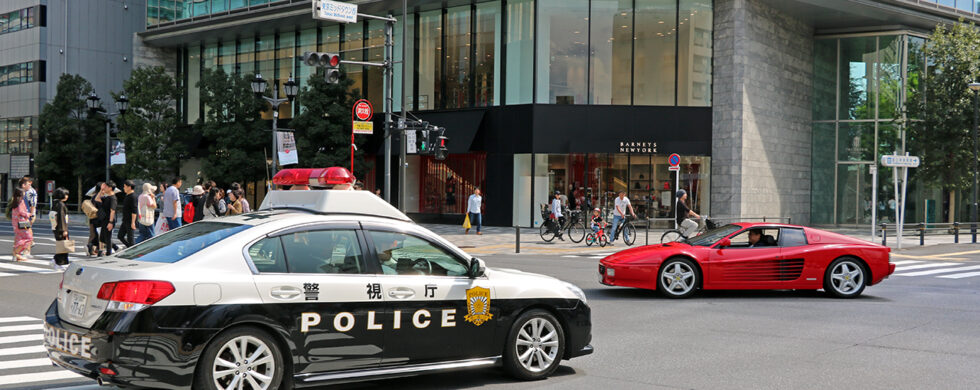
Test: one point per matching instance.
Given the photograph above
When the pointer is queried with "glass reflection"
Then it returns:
(457, 59)
(611, 51)
(562, 51)
(654, 42)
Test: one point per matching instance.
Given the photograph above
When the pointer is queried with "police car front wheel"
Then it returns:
(535, 345)
(241, 358)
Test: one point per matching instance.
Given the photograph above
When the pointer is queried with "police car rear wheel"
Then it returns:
(535, 346)
(242, 358)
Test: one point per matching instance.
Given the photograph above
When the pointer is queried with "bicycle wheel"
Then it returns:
(590, 239)
(576, 231)
(629, 234)
(671, 236)
(602, 240)
(547, 233)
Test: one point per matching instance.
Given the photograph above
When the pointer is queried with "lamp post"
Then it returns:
(94, 105)
(291, 88)
(975, 87)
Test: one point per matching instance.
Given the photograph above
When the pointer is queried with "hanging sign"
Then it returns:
(286, 145)
(118, 154)
(675, 162)
(363, 127)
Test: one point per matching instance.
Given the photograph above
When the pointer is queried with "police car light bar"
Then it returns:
(333, 202)
(316, 177)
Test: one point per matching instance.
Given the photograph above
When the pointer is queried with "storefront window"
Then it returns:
(430, 55)
(487, 62)
(520, 51)
(562, 52)
(654, 47)
(611, 51)
(856, 141)
(446, 185)
(457, 57)
(694, 30)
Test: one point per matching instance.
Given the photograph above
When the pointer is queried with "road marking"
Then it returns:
(935, 271)
(18, 319)
(22, 338)
(22, 350)
(24, 268)
(20, 328)
(25, 363)
(960, 276)
(39, 377)
(906, 262)
(920, 266)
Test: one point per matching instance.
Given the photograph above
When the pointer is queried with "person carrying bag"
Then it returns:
(59, 224)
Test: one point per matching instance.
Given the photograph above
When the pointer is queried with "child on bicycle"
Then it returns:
(596, 221)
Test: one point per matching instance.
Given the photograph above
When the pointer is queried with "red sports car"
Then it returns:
(752, 256)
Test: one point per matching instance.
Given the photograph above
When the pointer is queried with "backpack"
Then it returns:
(89, 209)
(189, 212)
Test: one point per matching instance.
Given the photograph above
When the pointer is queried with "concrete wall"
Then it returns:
(761, 113)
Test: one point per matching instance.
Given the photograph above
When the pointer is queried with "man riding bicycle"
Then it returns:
(622, 205)
(685, 224)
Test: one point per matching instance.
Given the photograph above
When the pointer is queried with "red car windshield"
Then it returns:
(712, 236)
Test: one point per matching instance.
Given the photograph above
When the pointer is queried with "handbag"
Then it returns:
(24, 225)
(466, 222)
(64, 246)
(89, 209)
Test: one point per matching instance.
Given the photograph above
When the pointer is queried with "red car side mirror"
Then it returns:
(724, 243)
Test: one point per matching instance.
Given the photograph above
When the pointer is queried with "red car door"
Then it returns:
(745, 265)
(800, 265)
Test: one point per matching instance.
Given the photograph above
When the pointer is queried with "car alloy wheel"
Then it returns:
(678, 278)
(535, 346)
(243, 358)
(845, 278)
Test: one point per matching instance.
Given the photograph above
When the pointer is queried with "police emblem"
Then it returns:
(478, 305)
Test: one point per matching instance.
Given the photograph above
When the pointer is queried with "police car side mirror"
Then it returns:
(477, 268)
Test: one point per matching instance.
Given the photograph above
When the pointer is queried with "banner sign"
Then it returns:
(286, 145)
(118, 154)
(361, 127)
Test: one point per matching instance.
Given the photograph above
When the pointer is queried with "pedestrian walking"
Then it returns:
(59, 225)
(127, 230)
(21, 218)
(107, 216)
(198, 199)
(245, 207)
(146, 206)
(91, 209)
(213, 204)
(474, 204)
(171, 204)
(235, 202)
(30, 201)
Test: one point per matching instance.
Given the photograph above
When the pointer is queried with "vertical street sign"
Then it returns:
(675, 165)
(361, 115)
(897, 162)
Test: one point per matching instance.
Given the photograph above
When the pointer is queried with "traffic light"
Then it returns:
(440, 148)
(422, 144)
(329, 61)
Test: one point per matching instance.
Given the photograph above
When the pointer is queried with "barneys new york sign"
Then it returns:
(637, 147)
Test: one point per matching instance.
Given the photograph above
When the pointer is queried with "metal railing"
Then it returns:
(922, 229)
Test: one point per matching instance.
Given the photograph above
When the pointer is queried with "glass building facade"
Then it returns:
(861, 83)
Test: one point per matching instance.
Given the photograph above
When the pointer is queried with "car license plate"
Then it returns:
(77, 307)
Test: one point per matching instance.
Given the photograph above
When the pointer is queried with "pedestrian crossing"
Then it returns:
(597, 255)
(23, 359)
(944, 270)
(40, 264)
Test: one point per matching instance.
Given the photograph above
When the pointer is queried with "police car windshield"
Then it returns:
(176, 245)
(710, 237)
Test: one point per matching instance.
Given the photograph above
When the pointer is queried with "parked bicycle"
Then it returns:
(704, 224)
(574, 227)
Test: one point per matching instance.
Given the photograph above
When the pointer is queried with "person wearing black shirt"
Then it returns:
(107, 215)
(683, 215)
(128, 228)
(60, 223)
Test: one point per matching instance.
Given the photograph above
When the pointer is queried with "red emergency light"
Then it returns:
(316, 177)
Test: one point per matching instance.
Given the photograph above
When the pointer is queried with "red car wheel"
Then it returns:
(678, 278)
(846, 277)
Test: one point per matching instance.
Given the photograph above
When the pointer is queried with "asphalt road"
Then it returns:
(920, 330)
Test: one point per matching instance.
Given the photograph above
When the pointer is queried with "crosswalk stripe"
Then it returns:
(18, 328)
(42, 362)
(16, 267)
(960, 276)
(939, 271)
(905, 262)
(921, 266)
(21, 338)
(22, 350)
(38, 377)
(18, 319)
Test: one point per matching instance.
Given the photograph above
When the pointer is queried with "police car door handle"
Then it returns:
(285, 292)
(401, 293)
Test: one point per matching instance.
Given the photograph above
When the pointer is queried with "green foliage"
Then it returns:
(154, 145)
(238, 140)
(942, 107)
(72, 141)
(323, 129)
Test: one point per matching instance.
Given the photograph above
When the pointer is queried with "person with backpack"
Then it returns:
(194, 211)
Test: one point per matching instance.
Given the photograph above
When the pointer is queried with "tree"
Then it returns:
(323, 129)
(238, 140)
(940, 109)
(72, 142)
(150, 126)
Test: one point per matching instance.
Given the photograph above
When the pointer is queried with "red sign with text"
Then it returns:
(363, 111)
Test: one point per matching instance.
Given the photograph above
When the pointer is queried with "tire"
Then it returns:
(547, 234)
(683, 275)
(671, 236)
(846, 277)
(538, 335)
(576, 232)
(261, 347)
(631, 230)
(590, 239)
(603, 240)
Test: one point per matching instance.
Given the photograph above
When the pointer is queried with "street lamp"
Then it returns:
(291, 88)
(975, 87)
(94, 105)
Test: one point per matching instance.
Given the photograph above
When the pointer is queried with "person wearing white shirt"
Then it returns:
(622, 205)
(473, 205)
(556, 210)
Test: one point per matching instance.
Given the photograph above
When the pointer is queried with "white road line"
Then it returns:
(596, 257)
(39, 377)
(16, 267)
(921, 266)
(569, 256)
(22, 350)
(906, 262)
(22, 338)
(935, 271)
(39, 362)
(960, 276)
(19, 328)
(18, 319)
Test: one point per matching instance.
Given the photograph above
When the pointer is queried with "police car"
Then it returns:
(316, 287)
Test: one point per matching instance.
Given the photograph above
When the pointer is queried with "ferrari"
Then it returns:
(752, 256)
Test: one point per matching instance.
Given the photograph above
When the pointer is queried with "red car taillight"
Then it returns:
(134, 295)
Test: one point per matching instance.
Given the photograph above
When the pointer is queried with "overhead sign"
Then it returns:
(287, 148)
(647, 147)
(900, 161)
(363, 127)
(675, 162)
(363, 111)
(335, 11)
